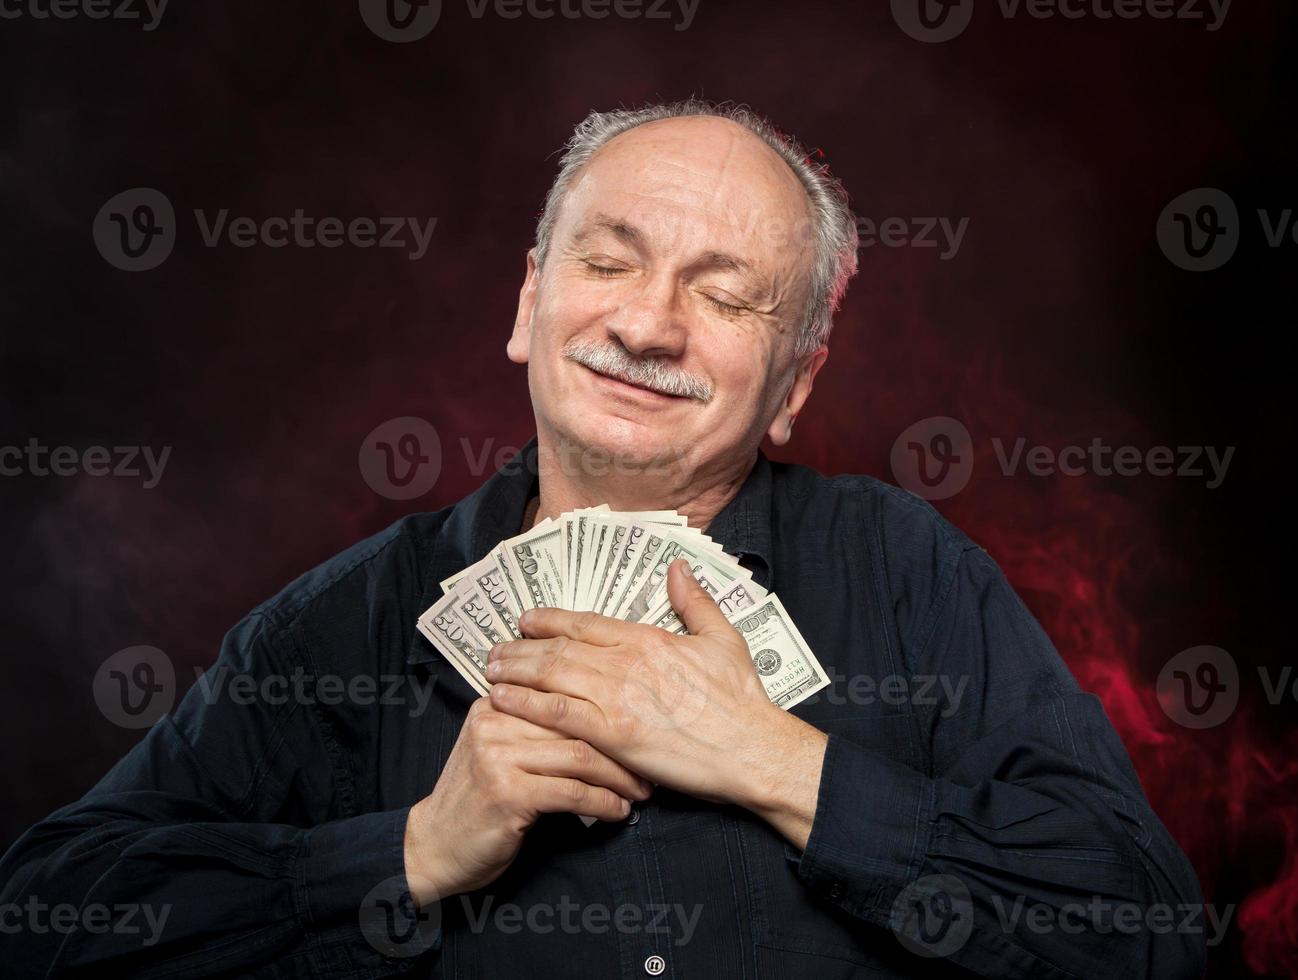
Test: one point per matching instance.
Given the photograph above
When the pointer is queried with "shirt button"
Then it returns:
(632, 820)
(654, 965)
(834, 891)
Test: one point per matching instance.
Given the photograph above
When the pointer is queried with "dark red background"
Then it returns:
(1058, 321)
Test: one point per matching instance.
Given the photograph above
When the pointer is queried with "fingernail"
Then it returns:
(626, 807)
(493, 668)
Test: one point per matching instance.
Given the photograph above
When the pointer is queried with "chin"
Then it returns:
(634, 444)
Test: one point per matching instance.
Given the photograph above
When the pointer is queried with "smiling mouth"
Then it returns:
(636, 387)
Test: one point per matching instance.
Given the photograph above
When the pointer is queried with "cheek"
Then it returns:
(569, 308)
(737, 361)
(564, 314)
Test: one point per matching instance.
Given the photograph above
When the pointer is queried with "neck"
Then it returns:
(565, 485)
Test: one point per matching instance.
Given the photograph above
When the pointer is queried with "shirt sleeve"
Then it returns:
(222, 832)
(1029, 850)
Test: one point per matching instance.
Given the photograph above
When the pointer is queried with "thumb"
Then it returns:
(696, 609)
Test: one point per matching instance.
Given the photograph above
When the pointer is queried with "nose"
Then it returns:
(651, 323)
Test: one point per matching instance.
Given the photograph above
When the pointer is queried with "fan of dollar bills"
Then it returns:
(614, 563)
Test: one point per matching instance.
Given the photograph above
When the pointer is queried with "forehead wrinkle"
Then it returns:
(680, 182)
(718, 185)
(748, 273)
(601, 221)
(771, 287)
(661, 143)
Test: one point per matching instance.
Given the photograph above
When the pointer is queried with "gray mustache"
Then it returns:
(653, 373)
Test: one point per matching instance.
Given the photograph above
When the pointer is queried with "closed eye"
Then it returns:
(725, 307)
(603, 271)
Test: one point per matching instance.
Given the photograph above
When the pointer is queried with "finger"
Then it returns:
(530, 648)
(500, 727)
(575, 759)
(574, 717)
(535, 648)
(586, 627)
(561, 794)
(547, 670)
(696, 609)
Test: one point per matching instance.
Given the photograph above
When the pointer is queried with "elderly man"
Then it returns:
(675, 312)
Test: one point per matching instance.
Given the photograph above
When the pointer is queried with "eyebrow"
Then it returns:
(628, 234)
(632, 236)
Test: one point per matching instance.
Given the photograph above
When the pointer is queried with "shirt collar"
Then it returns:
(477, 524)
(495, 511)
(743, 528)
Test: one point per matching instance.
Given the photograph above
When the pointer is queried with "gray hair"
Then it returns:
(834, 224)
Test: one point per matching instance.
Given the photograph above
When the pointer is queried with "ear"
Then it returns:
(520, 341)
(781, 429)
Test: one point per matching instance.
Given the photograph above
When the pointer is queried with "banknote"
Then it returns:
(613, 563)
(784, 663)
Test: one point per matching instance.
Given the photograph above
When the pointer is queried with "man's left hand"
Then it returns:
(686, 712)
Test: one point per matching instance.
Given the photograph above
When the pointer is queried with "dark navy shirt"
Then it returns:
(976, 810)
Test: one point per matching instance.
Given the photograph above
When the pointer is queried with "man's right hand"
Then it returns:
(502, 774)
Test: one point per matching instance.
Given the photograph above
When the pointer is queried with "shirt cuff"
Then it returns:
(870, 833)
(352, 898)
